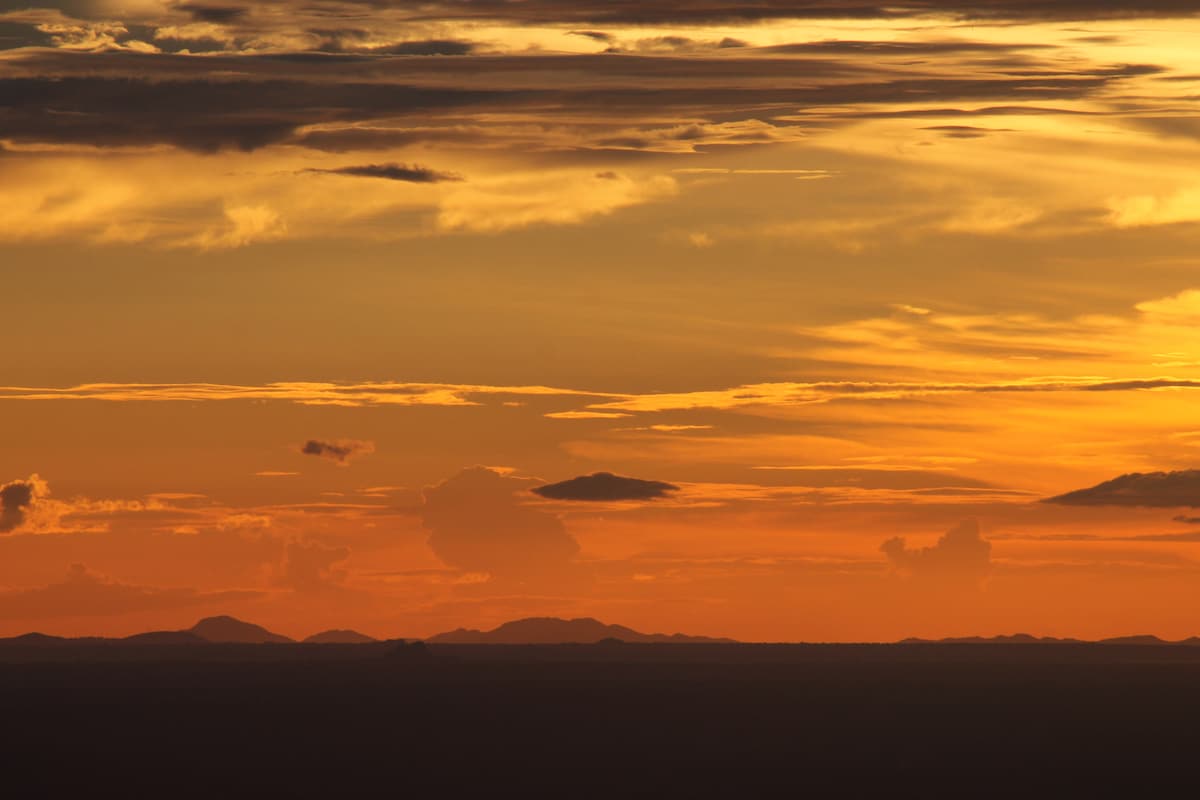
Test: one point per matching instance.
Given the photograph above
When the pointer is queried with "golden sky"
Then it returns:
(305, 303)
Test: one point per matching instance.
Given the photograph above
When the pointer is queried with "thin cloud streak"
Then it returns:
(616, 403)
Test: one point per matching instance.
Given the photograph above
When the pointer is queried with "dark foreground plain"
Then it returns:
(606, 720)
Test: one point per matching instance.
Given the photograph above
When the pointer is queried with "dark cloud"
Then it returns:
(365, 98)
(605, 486)
(215, 14)
(1145, 489)
(600, 13)
(886, 48)
(477, 524)
(429, 47)
(340, 450)
(352, 42)
(394, 172)
(1056, 10)
(962, 131)
(961, 554)
(201, 115)
(599, 36)
(689, 12)
(15, 498)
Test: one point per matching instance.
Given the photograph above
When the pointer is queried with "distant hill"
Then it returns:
(229, 630)
(552, 630)
(1016, 638)
(1025, 638)
(1142, 640)
(37, 639)
(339, 636)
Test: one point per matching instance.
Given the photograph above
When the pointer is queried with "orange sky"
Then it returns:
(302, 303)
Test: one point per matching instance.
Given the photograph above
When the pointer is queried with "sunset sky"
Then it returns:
(305, 304)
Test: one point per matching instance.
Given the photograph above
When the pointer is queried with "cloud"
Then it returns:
(601, 486)
(394, 172)
(960, 554)
(242, 225)
(787, 394)
(613, 405)
(87, 594)
(195, 113)
(303, 81)
(427, 47)
(340, 450)
(16, 497)
(256, 96)
(215, 14)
(309, 567)
(596, 36)
(477, 524)
(1179, 489)
(316, 393)
(688, 12)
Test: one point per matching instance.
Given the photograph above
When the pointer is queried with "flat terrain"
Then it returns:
(600, 720)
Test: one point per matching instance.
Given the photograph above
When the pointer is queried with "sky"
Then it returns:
(783, 321)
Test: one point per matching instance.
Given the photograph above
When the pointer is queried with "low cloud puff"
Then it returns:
(602, 486)
(477, 524)
(1180, 489)
(312, 566)
(85, 593)
(341, 450)
(960, 554)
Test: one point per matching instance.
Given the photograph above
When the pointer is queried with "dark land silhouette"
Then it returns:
(551, 630)
(170, 714)
(228, 629)
(339, 636)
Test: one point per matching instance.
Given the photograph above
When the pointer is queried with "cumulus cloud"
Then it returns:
(86, 593)
(605, 486)
(960, 554)
(341, 451)
(414, 173)
(477, 524)
(1180, 489)
(311, 566)
(16, 497)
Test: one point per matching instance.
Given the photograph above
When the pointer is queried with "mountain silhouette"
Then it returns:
(229, 630)
(1016, 638)
(552, 630)
(1024, 638)
(39, 639)
(339, 636)
(1143, 640)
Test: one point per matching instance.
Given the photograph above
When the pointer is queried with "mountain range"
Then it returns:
(1025, 638)
(551, 630)
(532, 630)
